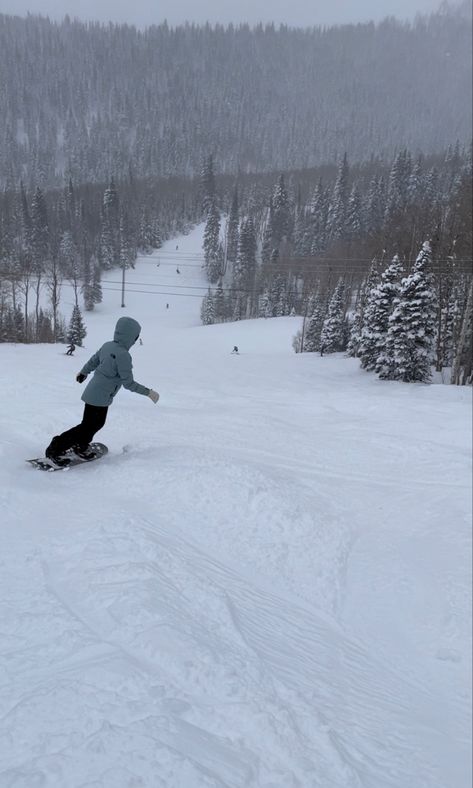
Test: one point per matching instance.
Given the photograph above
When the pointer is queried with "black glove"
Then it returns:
(80, 377)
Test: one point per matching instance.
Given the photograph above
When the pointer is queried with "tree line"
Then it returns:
(65, 238)
(321, 256)
(85, 100)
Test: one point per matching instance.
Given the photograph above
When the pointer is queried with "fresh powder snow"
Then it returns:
(264, 584)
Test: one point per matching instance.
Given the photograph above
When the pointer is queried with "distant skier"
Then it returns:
(70, 349)
(322, 348)
(113, 369)
(167, 306)
(177, 248)
(177, 271)
(235, 349)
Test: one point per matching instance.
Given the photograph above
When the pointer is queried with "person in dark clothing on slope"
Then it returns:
(70, 349)
(112, 367)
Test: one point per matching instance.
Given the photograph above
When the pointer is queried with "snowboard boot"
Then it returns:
(86, 453)
(57, 459)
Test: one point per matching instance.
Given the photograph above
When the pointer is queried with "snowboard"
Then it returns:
(43, 464)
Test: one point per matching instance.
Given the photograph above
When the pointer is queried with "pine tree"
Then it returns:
(410, 342)
(232, 230)
(333, 335)
(281, 221)
(316, 228)
(339, 204)
(39, 236)
(207, 312)
(265, 307)
(379, 306)
(96, 285)
(375, 206)
(211, 245)
(70, 262)
(354, 225)
(268, 236)
(398, 186)
(244, 268)
(77, 331)
(356, 326)
(314, 325)
(207, 183)
(110, 232)
(87, 287)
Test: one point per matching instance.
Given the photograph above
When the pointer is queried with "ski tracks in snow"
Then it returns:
(193, 673)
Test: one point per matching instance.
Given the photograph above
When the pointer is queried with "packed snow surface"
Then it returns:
(266, 582)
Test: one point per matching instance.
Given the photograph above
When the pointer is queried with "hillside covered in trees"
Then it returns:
(89, 101)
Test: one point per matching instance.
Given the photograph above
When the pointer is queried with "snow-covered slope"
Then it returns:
(265, 584)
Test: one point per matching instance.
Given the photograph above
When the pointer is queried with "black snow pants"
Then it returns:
(92, 421)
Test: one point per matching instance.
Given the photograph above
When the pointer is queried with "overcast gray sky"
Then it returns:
(293, 12)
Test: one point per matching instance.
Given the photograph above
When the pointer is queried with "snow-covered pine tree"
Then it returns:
(207, 184)
(375, 206)
(281, 221)
(282, 306)
(265, 307)
(211, 244)
(96, 285)
(354, 226)
(398, 185)
(339, 203)
(87, 287)
(244, 268)
(207, 312)
(314, 325)
(379, 306)
(77, 331)
(415, 183)
(145, 232)
(268, 243)
(333, 335)
(110, 230)
(356, 325)
(300, 233)
(232, 229)
(410, 341)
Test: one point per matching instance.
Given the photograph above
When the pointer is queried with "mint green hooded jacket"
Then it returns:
(113, 367)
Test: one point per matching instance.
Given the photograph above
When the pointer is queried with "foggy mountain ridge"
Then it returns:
(88, 100)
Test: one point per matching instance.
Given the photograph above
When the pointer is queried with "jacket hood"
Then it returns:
(127, 332)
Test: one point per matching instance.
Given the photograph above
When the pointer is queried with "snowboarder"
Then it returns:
(177, 271)
(113, 369)
(70, 349)
(235, 349)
